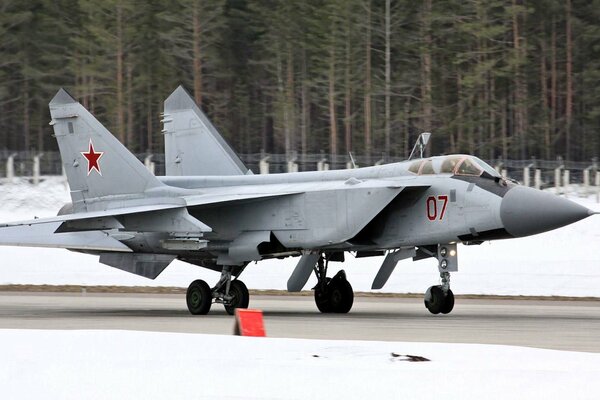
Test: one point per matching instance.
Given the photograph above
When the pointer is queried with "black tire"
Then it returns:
(434, 299)
(198, 297)
(241, 297)
(448, 303)
(322, 297)
(341, 296)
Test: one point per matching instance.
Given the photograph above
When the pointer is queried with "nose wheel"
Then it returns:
(437, 302)
(440, 299)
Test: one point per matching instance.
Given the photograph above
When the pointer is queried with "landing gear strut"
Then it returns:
(332, 295)
(231, 293)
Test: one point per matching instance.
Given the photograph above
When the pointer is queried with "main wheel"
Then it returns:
(240, 296)
(322, 297)
(341, 296)
(198, 297)
(434, 299)
(448, 302)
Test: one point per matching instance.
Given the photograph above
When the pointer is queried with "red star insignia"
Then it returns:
(92, 158)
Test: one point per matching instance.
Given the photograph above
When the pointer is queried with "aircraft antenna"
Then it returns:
(420, 145)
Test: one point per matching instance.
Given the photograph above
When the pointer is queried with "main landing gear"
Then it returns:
(332, 295)
(231, 293)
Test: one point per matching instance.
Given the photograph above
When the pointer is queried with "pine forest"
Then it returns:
(501, 79)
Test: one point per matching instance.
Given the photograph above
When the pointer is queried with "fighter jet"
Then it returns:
(222, 218)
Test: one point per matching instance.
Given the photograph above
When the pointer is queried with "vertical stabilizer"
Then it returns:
(192, 144)
(96, 163)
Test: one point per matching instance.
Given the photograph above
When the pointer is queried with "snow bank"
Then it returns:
(149, 365)
(564, 262)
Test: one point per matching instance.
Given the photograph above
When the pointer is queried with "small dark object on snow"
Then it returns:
(409, 358)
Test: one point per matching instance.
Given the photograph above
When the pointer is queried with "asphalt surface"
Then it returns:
(563, 325)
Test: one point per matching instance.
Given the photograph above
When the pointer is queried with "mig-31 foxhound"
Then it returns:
(222, 217)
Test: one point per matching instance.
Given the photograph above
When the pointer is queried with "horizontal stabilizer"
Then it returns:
(43, 236)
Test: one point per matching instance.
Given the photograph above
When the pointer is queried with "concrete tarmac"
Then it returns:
(563, 325)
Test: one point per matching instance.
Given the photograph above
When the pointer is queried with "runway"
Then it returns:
(562, 325)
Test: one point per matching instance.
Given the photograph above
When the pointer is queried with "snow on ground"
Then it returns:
(564, 262)
(150, 365)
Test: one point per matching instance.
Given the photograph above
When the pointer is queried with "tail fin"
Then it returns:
(96, 163)
(192, 144)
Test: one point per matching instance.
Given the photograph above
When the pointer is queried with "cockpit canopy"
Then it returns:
(462, 165)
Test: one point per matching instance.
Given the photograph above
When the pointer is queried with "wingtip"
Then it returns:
(180, 99)
(62, 97)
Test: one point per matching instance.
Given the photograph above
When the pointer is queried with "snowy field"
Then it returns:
(149, 365)
(564, 262)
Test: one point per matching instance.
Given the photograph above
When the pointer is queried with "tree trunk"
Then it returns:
(367, 95)
(289, 100)
(426, 67)
(553, 82)
(492, 117)
(26, 118)
(406, 144)
(519, 105)
(544, 91)
(387, 79)
(333, 137)
(197, 53)
(120, 111)
(149, 130)
(504, 128)
(460, 141)
(304, 127)
(569, 79)
(130, 138)
(348, 94)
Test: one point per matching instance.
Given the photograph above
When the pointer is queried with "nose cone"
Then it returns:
(525, 211)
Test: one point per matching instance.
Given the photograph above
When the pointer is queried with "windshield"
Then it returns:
(486, 167)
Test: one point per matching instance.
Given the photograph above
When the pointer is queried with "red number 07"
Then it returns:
(432, 207)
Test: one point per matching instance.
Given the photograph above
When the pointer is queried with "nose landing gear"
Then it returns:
(440, 299)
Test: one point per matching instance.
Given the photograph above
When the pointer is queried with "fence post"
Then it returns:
(150, 165)
(566, 181)
(597, 182)
(10, 166)
(538, 178)
(557, 176)
(36, 168)
(586, 181)
(263, 165)
(322, 165)
(526, 176)
(292, 165)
